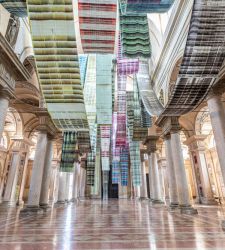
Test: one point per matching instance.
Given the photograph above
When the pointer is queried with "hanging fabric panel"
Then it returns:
(68, 152)
(135, 161)
(15, 7)
(54, 42)
(124, 161)
(83, 66)
(145, 6)
(97, 20)
(135, 38)
(105, 147)
(104, 89)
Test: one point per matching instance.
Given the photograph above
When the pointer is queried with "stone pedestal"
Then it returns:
(44, 197)
(173, 196)
(37, 173)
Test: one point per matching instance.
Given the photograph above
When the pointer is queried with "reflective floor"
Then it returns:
(116, 224)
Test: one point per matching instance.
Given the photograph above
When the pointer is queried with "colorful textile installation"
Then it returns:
(83, 66)
(116, 166)
(135, 160)
(105, 132)
(135, 38)
(124, 163)
(145, 6)
(54, 42)
(68, 152)
(194, 80)
(15, 7)
(97, 20)
(90, 105)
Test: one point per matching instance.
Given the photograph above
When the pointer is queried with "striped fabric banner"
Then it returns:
(15, 7)
(145, 6)
(124, 161)
(83, 67)
(97, 20)
(68, 152)
(135, 161)
(105, 132)
(115, 172)
(127, 66)
(54, 42)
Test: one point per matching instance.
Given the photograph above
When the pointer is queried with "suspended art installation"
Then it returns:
(68, 152)
(54, 42)
(145, 6)
(124, 163)
(202, 61)
(15, 7)
(135, 38)
(97, 19)
(83, 67)
(90, 105)
(135, 161)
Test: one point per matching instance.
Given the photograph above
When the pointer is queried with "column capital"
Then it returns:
(169, 124)
(196, 142)
(21, 144)
(46, 124)
(150, 142)
(216, 92)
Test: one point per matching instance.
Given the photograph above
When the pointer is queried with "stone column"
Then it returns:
(163, 177)
(68, 175)
(173, 196)
(75, 181)
(197, 148)
(82, 182)
(4, 104)
(62, 187)
(181, 178)
(217, 115)
(150, 178)
(11, 184)
(52, 184)
(144, 194)
(23, 182)
(44, 196)
(37, 173)
(157, 195)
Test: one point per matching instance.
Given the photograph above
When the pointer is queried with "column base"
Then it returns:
(173, 206)
(188, 210)
(31, 210)
(223, 225)
(208, 201)
(45, 207)
(157, 201)
(6, 204)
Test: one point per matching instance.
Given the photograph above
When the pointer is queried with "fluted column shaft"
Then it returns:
(37, 171)
(217, 115)
(144, 193)
(10, 191)
(62, 187)
(171, 174)
(44, 197)
(75, 181)
(157, 195)
(181, 178)
(4, 104)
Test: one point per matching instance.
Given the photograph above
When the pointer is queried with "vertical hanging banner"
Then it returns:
(124, 163)
(97, 20)
(105, 147)
(68, 152)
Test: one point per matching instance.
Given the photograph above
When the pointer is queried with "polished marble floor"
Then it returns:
(116, 224)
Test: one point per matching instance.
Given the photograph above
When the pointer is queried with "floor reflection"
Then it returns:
(113, 224)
